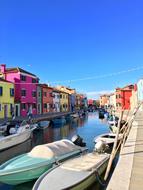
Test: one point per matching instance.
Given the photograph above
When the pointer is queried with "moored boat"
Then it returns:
(59, 121)
(15, 135)
(43, 124)
(41, 158)
(78, 173)
(108, 138)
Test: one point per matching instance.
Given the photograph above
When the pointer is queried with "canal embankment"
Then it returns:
(40, 117)
(128, 173)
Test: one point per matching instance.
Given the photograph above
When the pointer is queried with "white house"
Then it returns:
(56, 100)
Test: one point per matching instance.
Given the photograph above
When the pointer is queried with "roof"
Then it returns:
(3, 80)
(17, 69)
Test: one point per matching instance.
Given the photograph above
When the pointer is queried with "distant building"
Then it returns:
(140, 92)
(71, 97)
(47, 98)
(39, 99)
(104, 100)
(25, 89)
(112, 101)
(6, 99)
(134, 98)
(123, 96)
(56, 100)
(64, 102)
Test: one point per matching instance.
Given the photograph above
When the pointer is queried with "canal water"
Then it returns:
(87, 127)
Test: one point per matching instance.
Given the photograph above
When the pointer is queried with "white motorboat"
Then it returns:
(17, 135)
(43, 124)
(77, 173)
(76, 115)
(108, 138)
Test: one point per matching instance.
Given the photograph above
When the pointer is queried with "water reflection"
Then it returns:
(87, 127)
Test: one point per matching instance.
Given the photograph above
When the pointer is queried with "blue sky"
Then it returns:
(60, 40)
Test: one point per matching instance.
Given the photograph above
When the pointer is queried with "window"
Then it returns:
(23, 78)
(45, 94)
(23, 106)
(34, 80)
(0, 107)
(64, 96)
(11, 92)
(34, 106)
(11, 108)
(1, 90)
(34, 93)
(23, 92)
(39, 94)
(45, 106)
(61, 96)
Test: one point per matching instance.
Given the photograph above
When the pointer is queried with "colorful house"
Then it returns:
(64, 102)
(123, 96)
(71, 97)
(47, 98)
(56, 100)
(39, 99)
(6, 99)
(25, 89)
(104, 100)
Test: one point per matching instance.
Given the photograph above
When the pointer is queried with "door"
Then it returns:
(17, 110)
(5, 111)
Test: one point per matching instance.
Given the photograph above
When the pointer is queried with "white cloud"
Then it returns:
(96, 94)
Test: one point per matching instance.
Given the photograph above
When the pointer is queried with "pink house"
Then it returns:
(25, 89)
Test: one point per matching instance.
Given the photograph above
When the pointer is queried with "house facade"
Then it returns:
(112, 101)
(39, 99)
(56, 100)
(47, 98)
(25, 89)
(64, 102)
(6, 99)
(134, 98)
(104, 100)
(123, 96)
(140, 92)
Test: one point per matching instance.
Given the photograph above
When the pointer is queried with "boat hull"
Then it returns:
(90, 180)
(76, 177)
(24, 176)
(13, 140)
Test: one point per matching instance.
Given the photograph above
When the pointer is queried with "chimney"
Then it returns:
(3, 68)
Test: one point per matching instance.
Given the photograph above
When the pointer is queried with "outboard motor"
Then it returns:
(101, 146)
(77, 140)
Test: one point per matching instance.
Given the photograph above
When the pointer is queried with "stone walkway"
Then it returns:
(128, 174)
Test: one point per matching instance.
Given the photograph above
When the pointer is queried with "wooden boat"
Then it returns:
(16, 136)
(108, 138)
(74, 174)
(32, 165)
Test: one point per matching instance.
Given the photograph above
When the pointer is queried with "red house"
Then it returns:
(123, 97)
(47, 98)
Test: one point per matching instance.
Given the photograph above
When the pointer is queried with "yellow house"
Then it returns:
(6, 99)
(64, 102)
